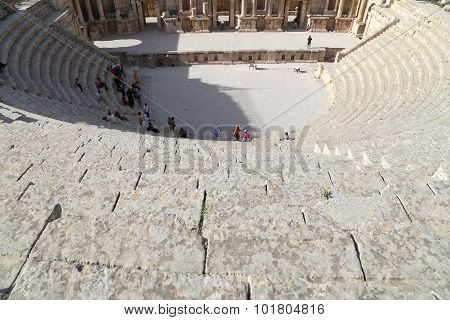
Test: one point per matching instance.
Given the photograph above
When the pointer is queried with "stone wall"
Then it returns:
(228, 57)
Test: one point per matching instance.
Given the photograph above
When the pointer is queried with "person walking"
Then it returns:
(237, 132)
(171, 123)
(308, 44)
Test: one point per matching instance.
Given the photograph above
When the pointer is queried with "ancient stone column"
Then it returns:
(79, 12)
(89, 10)
(214, 13)
(158, 14)
(232, 8)
(326, 5)
(254, 8)
(140, 15)
(362, 9)
(243, 7)
(280, 8)
(269, 8)
(340, 8)
(117, 8)
(180, 5)
(100, 10)
(354, 8)
(303, 14)
(192, 6)
(205, 9)
(286, 13)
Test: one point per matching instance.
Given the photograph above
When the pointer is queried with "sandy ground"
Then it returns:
(273, 97)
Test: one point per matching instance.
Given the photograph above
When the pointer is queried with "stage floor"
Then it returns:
(274, 96)
(156, 41)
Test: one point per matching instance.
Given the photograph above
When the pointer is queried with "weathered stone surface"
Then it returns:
(71, 280)
(402, 251)
(128, 242)
(306, 252)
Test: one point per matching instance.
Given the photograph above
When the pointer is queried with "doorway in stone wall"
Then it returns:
(223, 14)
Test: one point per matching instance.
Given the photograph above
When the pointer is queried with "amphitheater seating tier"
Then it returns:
(396, 81)
(97, 210)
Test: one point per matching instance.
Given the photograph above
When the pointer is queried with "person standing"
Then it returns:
(308, 45)
(216, 132)
(171, 123)
(78, 84)
(146, 109)
(98, 96)
(237, 132)
(245, 136)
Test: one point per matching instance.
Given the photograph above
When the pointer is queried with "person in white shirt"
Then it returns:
(110, 117)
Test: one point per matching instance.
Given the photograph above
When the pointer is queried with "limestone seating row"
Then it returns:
(13, 21)
(248, 159)
(36, 66)
(426, 88)
(266, 177)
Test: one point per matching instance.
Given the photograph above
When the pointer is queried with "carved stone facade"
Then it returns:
(258, 15)
(103, 17)
(98, 18)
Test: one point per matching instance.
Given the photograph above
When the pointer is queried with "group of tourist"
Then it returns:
(130, 95)
(244, 137)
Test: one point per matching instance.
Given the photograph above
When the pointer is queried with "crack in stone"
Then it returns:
(113, 148)
(138, 179)
(358, 255)
(54, 215)
(205, 242)
(26, 170)
(303, 215)
(81, 158)
(25, 190)
(80, 146)
(382, 178)
(331, 179)
(404, 208)
(115, 202)
(82, 176)
(432, 190)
